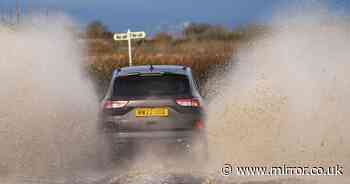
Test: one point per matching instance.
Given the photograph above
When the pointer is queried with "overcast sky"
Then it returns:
(155, 15)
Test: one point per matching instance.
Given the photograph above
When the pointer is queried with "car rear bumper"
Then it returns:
(167, 137)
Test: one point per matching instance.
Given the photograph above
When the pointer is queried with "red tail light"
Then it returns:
(199, 125)
(114, 104)
(188, 102)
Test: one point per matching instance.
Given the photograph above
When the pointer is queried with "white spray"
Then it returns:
(286, 98)
(47, 107)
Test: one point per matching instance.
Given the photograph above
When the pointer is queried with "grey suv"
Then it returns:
(155, 103)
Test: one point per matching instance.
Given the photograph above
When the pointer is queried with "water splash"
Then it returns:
(285, 99)
(48, 106)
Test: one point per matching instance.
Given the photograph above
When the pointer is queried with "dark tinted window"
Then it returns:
(162, 85)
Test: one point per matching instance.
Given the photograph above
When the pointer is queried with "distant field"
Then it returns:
(104, 57)
(202, 47)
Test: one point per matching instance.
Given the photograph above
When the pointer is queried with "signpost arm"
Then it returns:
(129, 36)
(130, 53)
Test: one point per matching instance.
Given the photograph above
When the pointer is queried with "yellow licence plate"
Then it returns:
(152, 112)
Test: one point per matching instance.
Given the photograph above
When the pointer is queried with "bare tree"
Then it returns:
(18, 13)
(2, 15)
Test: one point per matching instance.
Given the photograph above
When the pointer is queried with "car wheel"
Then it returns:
(199, 151)
(105, 150)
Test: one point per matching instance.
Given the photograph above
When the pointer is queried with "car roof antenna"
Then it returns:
(151, 67)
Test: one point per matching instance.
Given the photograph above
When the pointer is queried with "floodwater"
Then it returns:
(283, 100)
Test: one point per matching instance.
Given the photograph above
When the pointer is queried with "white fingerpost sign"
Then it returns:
(129, 36)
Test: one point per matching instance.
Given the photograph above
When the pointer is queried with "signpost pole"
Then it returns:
(129, 36)
(129, 43)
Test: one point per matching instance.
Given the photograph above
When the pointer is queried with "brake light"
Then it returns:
(188, 102)
(115, 104)
(199, 125)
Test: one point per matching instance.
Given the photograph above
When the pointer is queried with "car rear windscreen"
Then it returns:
(143, 85)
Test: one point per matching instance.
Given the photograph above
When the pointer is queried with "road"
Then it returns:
(166, 178)
(133, 175)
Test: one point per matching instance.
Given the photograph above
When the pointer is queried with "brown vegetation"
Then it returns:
(201, 47)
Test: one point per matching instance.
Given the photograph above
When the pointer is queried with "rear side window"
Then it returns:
(162, 85)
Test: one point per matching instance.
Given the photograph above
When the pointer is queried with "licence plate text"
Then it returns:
(152, 112)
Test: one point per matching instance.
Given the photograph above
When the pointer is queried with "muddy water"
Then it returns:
(47, 105)
(285, 98)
